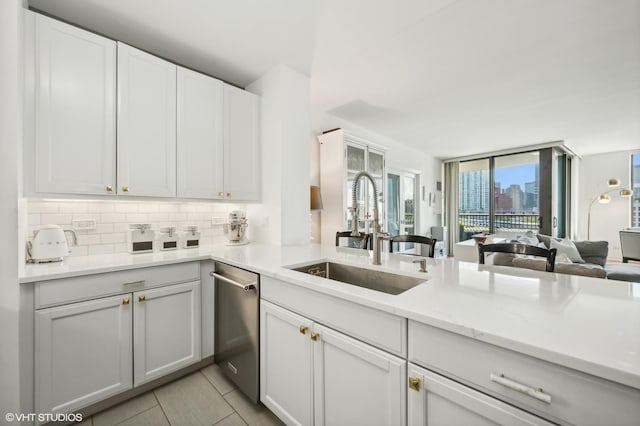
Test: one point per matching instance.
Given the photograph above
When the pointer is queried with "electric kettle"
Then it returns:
(49, 244)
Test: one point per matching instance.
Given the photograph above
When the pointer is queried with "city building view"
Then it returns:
(515, 194)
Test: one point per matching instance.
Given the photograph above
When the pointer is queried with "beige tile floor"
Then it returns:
(205, 397)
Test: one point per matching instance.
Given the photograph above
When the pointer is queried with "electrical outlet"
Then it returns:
(84, 224)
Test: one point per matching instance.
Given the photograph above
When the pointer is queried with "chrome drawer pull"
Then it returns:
(535, 393)
(245, 287)
(134, 282)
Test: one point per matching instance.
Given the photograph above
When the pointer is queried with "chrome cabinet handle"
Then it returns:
(519, 387)
(245, 287)
(134, 282)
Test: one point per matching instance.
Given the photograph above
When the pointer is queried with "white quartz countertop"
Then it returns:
(588, 324)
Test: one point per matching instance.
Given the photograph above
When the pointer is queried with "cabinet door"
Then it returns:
(286, 373)
(241, 144)
(82, 353)
(75, 91)
(436, 400)
(199, 130)
(355, 383)
(166, 333)
(146, 124)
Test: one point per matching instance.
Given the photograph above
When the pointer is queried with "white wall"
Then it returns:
(11, 88)
(398, 156)
(283, 216)
(606, 219)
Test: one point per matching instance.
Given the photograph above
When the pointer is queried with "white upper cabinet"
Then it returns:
(108, 119)
(199, 129)
(241, 145)
(75, 90)
(146, 124)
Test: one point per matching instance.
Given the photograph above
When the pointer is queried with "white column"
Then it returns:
(11, 88)
(283, 215)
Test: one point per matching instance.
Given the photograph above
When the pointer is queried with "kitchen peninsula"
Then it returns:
(478, 329)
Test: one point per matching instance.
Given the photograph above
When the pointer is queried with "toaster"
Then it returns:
(49, 244)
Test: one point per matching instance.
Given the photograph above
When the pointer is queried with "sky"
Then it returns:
(515, 175)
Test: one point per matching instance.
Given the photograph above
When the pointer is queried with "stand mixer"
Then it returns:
(236, 227)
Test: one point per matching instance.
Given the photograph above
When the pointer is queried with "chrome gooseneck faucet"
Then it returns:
(378, 235)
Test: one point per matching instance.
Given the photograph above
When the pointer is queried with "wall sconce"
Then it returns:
(315, 200)
(604, 198)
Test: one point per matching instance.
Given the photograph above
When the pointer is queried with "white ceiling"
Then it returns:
(450, 77)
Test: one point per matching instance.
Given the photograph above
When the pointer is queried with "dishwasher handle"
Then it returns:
(245, 287)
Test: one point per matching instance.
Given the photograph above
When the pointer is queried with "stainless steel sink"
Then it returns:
(374, 280)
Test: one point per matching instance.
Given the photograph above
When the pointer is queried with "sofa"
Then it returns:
(593, 256)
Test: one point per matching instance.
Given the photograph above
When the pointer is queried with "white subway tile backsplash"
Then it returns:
(43, 207)
(102, 249)
(158, 217)
(88, 239)
(120, 227)
(114, 216)
(137, 218)
(113, 238)
(79, 250)
(56, 218)
(101, 208)
(148, 208)
(126, 207)
(107, 228)
(74, 207)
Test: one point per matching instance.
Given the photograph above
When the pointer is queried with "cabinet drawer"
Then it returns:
(381, 329)
(574, 397)
(67, 290)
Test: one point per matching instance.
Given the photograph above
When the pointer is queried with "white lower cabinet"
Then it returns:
(166, 330)
(83, 353)
(311, 374)
(90, 350)
(435, 400)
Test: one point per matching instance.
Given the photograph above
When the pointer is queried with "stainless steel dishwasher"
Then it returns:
(236, 327)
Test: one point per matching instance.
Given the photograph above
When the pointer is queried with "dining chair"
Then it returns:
(519, 248)
(361, 241)
(430, 243)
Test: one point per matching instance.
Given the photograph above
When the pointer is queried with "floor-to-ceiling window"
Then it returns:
(516, 189)
(475, 197)
(514, 193)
